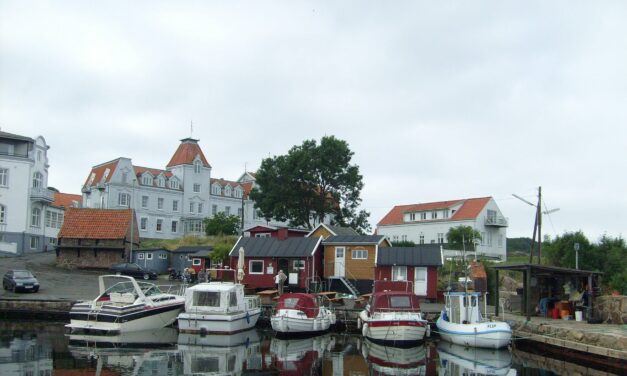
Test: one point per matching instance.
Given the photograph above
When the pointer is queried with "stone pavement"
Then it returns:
(56, 283)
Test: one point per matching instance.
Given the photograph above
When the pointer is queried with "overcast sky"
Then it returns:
(438, 100)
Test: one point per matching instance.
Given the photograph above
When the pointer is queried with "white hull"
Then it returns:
(218, 323)
(289, 324)
(475, 360)
(489, 334)
(393, 328)
(148, 322)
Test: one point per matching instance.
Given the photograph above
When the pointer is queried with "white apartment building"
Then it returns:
(428, 223)
(171, 202)
(29, 217)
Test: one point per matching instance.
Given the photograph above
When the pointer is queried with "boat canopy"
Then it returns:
(306, 303)
(394, 301)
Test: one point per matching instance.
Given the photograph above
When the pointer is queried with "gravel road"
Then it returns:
(55, 283)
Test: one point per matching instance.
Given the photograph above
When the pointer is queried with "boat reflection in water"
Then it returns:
(388, 360)
(460, 360)
(299, 356)
(233, 354)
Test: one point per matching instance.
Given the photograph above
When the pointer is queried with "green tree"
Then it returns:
(310, 183)
(220, 252)
(561, 251)
(222, 224)
(462, 237)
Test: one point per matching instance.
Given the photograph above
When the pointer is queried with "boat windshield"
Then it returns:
(121, 287)
(149, 289)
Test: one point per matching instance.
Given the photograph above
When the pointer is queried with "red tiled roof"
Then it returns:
(99, 171)
(470, 209)
(186, 152)
(65, 200)
(246, 187)
(154, 171)
(87, 223)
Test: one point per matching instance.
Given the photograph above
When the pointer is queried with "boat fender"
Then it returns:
(247, 318)
(428, 330)
(364, 329)
(358, 323)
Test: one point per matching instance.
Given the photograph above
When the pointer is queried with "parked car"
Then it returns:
(23, 280)
(132, 270)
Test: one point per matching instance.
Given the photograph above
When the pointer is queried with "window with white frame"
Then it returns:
(160, 203)
(38, 180)
(34, 242)
(35, 217)
(54, 219)
(143, 223)
(197, 166)
(161, 181)
(3, 214)
(159, 225)
(148, 256)
(196, 188)
(227, 210)
(191, 207)
(227, 190)
(421, 239)
(163, 256)
(174, 184)
(147, 180)
(298, 265)
(38, 155)
(216, 189)
(423, 216)
(144, 201)
(200, 208)
(175, 226)
(255, 266)
(440, 237)
(399, 273)
(237, 192)
(445, 213)
(412, 216)
(214, 209)
(434, 215)
(175, 205)
(196, 262)
(140, 256)
(124, 199)
(360, 254)
(4, 177)
(262, 235)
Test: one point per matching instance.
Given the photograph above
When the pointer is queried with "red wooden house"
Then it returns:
(418, 265)
(299, 258)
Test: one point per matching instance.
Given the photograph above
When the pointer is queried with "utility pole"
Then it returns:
(537, 226)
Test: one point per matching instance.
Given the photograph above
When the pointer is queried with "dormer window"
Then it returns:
(147, 180)
(227, 190)
(237, 192)
(174, 184)
(91, 178)
(434, 215)
(197, 166)
(161, 181)
(216, 189)
(423, 216)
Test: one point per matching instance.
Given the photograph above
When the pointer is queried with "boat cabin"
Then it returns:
(217, 297)
(306, 303)
(462, 307)
(394, 301)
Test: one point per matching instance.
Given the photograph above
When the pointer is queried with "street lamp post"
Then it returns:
(577, 256)
(132, 205)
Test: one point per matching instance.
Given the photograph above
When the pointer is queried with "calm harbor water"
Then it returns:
(35, 348)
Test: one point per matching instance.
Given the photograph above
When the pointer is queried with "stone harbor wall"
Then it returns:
(611, 309)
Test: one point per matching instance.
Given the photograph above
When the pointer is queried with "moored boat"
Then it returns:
(393, 317)
(125, 305)
(462, 323)
(298, 313)
(218, 307)
(460, 360)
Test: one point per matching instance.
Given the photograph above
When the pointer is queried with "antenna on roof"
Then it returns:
(191, 129)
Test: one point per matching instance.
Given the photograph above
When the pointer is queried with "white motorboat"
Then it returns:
(125, 305)
(461, 323)
(299, 313)
(393, 317)
(460, 360)
(218, 307)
